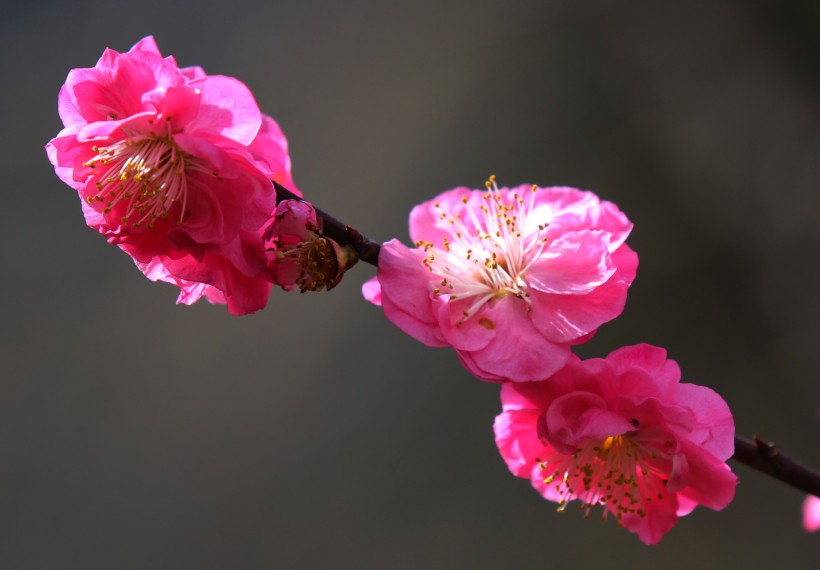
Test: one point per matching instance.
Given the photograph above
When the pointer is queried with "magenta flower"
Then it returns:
(811, 513)
(510, 278)
(174, 166)
(624, 434)
(299, 255)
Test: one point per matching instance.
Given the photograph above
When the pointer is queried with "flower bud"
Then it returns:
(299, 255)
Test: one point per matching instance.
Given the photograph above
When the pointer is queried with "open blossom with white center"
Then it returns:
(510, 278)
(174, 166)
(623, 437)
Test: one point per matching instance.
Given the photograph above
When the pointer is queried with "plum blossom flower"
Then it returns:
(622, 433)
(299, 255)
(811, 513)
(510, 278)
(174, 166)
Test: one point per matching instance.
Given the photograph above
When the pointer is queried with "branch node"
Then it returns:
(765, 448)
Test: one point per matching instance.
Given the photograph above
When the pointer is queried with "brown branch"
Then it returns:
(764, 456)
(366, 249)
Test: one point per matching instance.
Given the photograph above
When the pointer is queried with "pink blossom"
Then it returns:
(299, 255)
(811, 514)
(622, 433)
(510, 278)
(174, 166)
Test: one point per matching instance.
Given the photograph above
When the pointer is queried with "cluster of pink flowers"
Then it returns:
(175, 167)
(512, 279)
(178, 169)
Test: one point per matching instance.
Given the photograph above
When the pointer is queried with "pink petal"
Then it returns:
(514, 398)
(472, 334)
(423, 332)
(406, 294)
(99, 131)
(709, 481)
(245, 255)
(148, 45)
(656, 409)
(811, 513)
(228, 108)
(574, 264)
(178, 104)
(190, 291)
(271, 148)
(426, 222)
(715, 427)
(578, 416)
(563, 318)
(405, 281)
(292, 221)
(64, 152)
(509, 320)
(89, 94)
(67, 109)
(661, 516)
(244, 294)
(515, 436)
(568, 209)
(372, 291)
(685, 505)
(556, 202)
(193, 72)
(651, 359)
(204, 223)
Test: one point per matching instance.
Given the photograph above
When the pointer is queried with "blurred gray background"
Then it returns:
(137, 434)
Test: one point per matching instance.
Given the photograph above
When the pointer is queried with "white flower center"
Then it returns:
(491, 260)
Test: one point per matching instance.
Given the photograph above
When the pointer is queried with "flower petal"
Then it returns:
(509, 321)
(578, 416)
(372, 291)
(563, 318)
(228, 108)
(577, 263)
(402, 276)
(516, 440)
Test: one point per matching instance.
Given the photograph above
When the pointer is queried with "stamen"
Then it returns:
(486, 258)
(612, 474)
(148, 173)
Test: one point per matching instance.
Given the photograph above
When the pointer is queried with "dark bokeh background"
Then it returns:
(138, 434)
